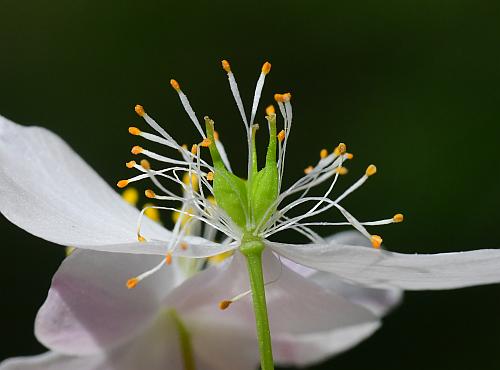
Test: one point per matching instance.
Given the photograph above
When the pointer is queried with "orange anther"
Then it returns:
(210, 176)
(398, 218)
(175, 84)
(308, 170)
(216, 135)
(323, 154)
(141, 238)
(224, 304)
(341, 170)
(134, 131)
(132, 283)
(130, 164)
(266, 68)
(287, 97)
(226, 66)
(371, 170)
(145, 164)
(136, 150)
(122, 183)
(281, 136)
(349, 155)
(184, 246)
(168, 258)
(150, 194)
(194, 149)
(279, 98)
(206, 142)
(376, 241)
(139, 109)
(270, 110)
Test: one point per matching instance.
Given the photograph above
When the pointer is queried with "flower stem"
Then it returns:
(185, 342)
(252, 250)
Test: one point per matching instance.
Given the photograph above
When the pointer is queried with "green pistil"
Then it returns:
(185, 341)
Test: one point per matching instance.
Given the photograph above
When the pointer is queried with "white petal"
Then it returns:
(48, 190)
(52, 361)
(89, 307)
(296, 307)
(383, 269)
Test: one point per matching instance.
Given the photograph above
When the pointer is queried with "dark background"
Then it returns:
(412, 86)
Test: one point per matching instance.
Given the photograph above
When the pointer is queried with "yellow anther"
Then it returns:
(132, 283)
(279, 98)
(266, 68)
(168, 258)
(194, 149)
(287, 97)
(342, 148)
(137, 150)
(184, 146)
(175, 84)
(371, 170)
(134, 131)
(216, 135)
(145, 164)
(224, 304)
(308, 170)
(150, 194)
(211, 200)
(152, 213)
(190, 180)
(226, 66)
(141, 238)
(341, 170)
(210, 176)
(270, 110)
(281, 136)
(349, 155)
(130, 164)
(184, 246)
(218, 258)
(206, 142)
(398, 218)
(122, 183)
(131, 196)
(323, 154)
(376, 241)
(139, 109)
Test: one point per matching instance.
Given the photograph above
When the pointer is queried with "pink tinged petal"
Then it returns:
(89, 307)
(382, 269)
(48, 190)
(156, 348)
(296, 306)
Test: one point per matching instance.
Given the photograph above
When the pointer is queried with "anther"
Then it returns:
(224, 304)
(216, 135)
(349, 155)
(145, 164)
(122, 183)
(323, 154)
(341, 170)
(194, 149)
(210, 176)
(371, 170)
(266, 68)
(206, 143)
(150, 194)
(279, 98)
(184, 246)
(130, 164)
(141, 238)
(132, 283)
(226, 66)
(287, 97)
(168, 258)
(308, 170)
(175, 84)
(376, 241)
(270, 110)
(134, 131)
(139, 109)
(398, 218)
(281, 136)
(136, 150)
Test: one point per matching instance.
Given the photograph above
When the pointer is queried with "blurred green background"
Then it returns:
(412, 86)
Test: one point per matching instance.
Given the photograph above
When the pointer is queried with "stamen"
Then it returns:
(139, 109)
(323, 154)
(226, 66)
(184, 246)
(270, 110)
(349, 156)
(341, 170)
(371, 170)
(376, 241)
(130, 164)
(206, 143)
(224, 304)
(266, 68)
(175, 84)
(134, 131)
(308, 170)
(281, 136)
(145, 164)
(141, 238)
(137, 150)
(132, 283)
(340, 149)
(122, 183)
(194, 149)
(279, 98)
(187, 107)
(398, 218)
(150, 194)
(168, 258)
(210, 176)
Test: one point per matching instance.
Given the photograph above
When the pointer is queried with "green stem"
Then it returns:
(252, 250)
(185, 342)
